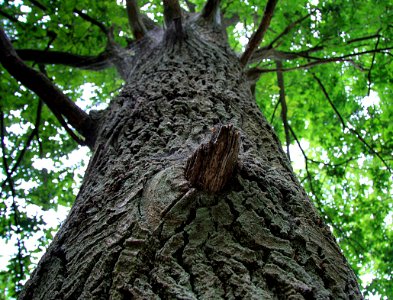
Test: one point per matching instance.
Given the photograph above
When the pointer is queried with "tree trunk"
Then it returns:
(140, 230)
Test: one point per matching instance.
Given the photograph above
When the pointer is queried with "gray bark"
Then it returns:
(140, 230)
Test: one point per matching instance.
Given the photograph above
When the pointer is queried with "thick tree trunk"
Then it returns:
(140, 230)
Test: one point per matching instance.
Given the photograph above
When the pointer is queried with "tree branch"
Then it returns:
(38, 4)
(257, 37)
(270, 53)
(191, 6)
(310, 180)
(284, 108)
(135, 20)
(344, 125)
(44, 88)
(173, 16)
(369, 37)
(210, 11)
(95, 63)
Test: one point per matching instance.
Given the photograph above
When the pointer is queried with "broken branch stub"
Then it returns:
(212, 164)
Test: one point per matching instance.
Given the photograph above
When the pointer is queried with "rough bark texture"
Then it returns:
(140, 230)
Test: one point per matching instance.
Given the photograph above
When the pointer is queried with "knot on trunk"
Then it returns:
(212, 164)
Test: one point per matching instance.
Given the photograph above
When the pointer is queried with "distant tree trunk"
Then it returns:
(140, 230)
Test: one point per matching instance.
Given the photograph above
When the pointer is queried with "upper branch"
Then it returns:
(56, 100)
(271, 53)
(257, 37)
(96, 63)
(210, 11)
(173, 16)
(135, 20)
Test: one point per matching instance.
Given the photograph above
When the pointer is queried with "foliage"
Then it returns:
(337, 90)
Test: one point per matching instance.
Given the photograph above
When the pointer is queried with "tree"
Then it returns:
(151, 217)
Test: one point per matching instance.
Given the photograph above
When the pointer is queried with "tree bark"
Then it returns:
(140, 230)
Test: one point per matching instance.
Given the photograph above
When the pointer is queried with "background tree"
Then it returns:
(318, 62)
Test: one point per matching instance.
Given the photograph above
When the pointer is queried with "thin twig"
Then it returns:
(93, 21)
(288, 29)
(4, 155)
(284, 108)
(363, 38)
(274, 111)
(32, 134)
(281, 55)
(319, 202)
(345, 126)
(372, 63)
(255, 72)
